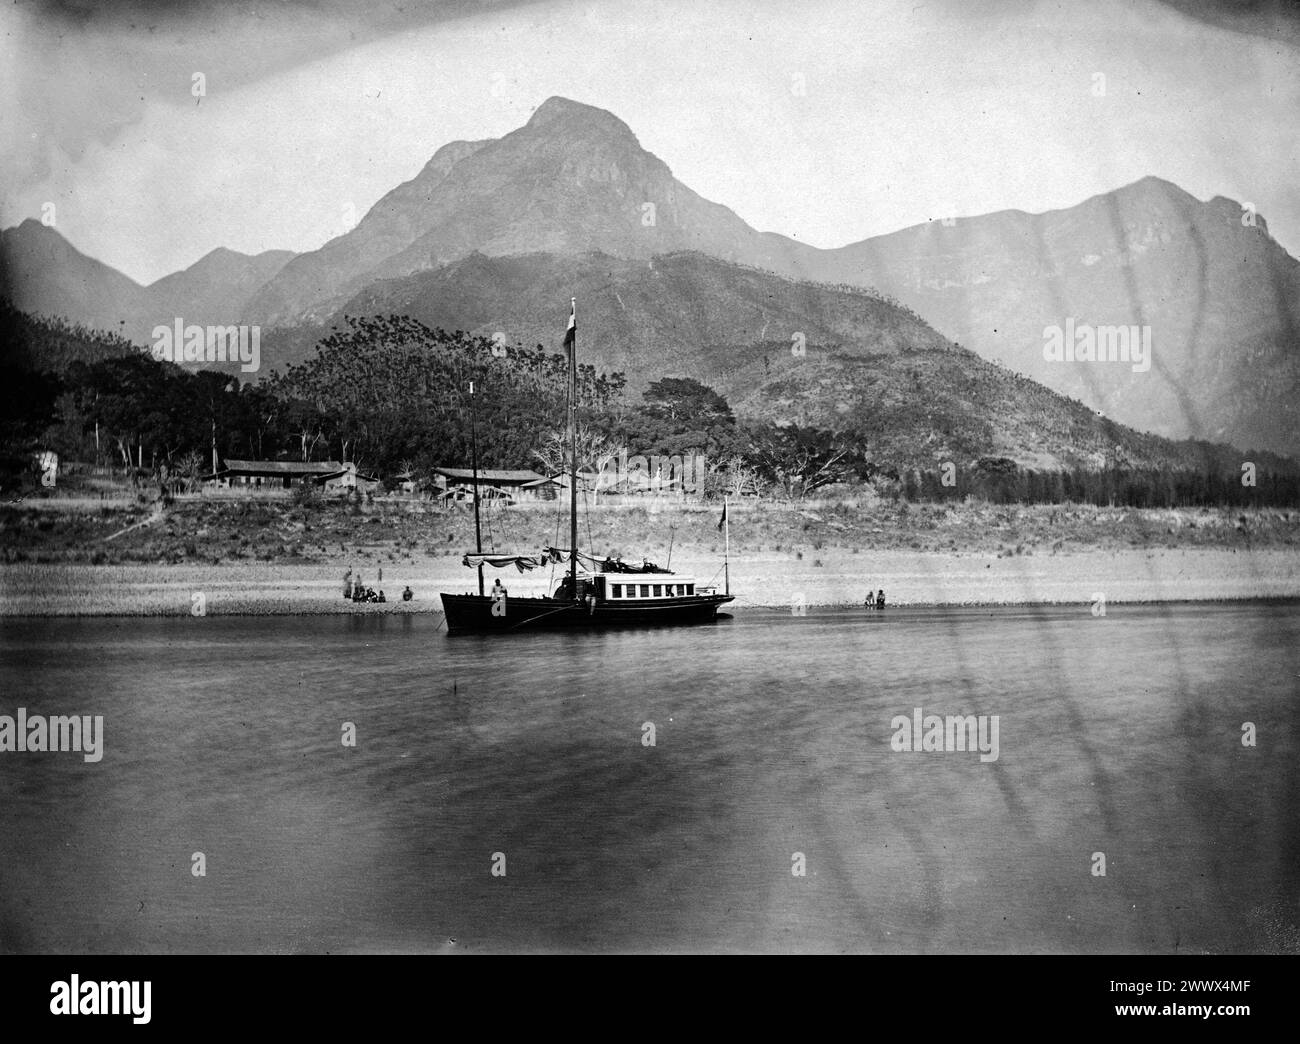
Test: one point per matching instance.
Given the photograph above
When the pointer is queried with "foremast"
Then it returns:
(570, 343)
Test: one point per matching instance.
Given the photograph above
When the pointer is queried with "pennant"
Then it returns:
(723, 520)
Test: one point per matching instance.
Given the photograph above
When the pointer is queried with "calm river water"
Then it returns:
(1119, 736)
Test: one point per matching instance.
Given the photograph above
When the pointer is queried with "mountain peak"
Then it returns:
(1152, 185)
(32, 234)
(221, 253)
(32, 227)
(557, 105)
(567, 112)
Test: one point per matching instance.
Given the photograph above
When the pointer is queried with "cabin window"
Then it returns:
(690, 589)
(645, 590)
(618, 590)
(659, 590)
(668, 590)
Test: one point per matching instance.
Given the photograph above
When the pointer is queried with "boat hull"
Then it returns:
(472, 614)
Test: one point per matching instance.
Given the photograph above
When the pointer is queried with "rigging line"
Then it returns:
(506, 542)
(501, 525)
(549, 612)
(488, 519)
(586, 507)
(554, 543)
(505, 530)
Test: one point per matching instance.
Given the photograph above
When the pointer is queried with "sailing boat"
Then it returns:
(595, 593)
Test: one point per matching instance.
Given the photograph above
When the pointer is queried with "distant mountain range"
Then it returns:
(1221, 299)
(498, 234)
(42, 273)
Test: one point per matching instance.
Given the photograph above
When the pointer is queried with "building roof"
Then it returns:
(518, 477)
(285, 467)
(641, 480)
(586, 480)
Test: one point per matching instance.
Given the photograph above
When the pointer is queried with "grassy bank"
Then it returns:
(279, 531)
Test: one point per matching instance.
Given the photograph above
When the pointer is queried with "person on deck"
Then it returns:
(498, 589)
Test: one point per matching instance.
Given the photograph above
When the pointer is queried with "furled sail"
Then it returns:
(557, 556)
(604, 565)
(522, 562)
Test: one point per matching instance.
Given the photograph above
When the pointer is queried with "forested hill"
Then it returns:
(394, 396)
(37, 343)
(781, 351)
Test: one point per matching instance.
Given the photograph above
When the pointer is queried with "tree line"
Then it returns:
(1000, 481)
(394, 396)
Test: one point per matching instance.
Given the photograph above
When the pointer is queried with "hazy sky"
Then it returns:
(824, 120)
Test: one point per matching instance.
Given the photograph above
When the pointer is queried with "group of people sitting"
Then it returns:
(876, 601)
(617, 565)
(356, 591)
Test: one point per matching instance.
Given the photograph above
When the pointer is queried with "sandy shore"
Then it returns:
(757, 580)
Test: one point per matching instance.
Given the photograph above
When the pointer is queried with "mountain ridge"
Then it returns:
(778, 349)
(1219, 295)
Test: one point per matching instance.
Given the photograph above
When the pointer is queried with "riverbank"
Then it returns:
(772, 580)
(68, 558)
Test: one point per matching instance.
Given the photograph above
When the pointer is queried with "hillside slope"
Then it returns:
(867, 365)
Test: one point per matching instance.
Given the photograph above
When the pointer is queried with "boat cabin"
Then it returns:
(627, 588)
(633, 586)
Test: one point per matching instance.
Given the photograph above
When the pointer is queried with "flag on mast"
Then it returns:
(723, 520)
(571, 331)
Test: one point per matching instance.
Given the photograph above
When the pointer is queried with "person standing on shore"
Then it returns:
(880, 599)
(347, 584)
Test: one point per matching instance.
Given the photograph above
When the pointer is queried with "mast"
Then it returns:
(473, 457)
(573, 446)
(726, 546)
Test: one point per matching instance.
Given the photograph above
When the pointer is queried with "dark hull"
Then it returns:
(472, 614)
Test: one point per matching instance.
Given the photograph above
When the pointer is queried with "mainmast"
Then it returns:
(571, 340)
(726, 551)
(473, 458)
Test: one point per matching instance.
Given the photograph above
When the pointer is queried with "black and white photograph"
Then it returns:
(584, 477)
